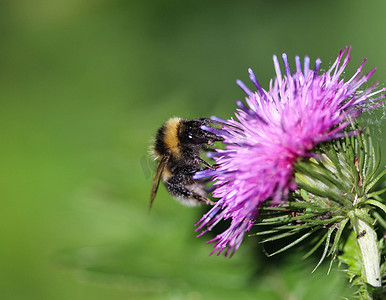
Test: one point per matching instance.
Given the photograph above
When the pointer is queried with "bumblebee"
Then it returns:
(177, 148)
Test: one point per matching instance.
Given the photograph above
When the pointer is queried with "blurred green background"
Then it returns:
(84, 85)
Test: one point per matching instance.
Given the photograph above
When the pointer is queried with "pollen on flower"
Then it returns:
(273, 129)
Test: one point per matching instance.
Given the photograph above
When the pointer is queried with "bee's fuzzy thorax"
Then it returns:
(170, 136)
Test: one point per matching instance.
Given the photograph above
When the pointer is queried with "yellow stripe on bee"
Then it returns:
(171, 136)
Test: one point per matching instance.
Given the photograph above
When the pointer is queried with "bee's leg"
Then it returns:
(205, 163)
(177, 189)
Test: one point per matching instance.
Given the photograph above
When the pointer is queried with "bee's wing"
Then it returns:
(157, 177)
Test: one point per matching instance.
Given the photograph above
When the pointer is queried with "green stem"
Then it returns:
(368, 245)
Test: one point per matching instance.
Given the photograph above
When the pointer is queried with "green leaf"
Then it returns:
(370, 184)
(361, 151)
(380, 220)
(376, 193)
(287, 219)
(317, 245)
(331, 153)
(264, 232)
(351, 256)
(330, 231)
(317, 188)
(374, 161)
(363, 215)
(377, 204)
(297, 241)
(280, 236)
(338, 234)
(304, 195)
(316, 170)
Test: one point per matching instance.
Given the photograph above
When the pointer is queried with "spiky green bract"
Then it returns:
(338, 207)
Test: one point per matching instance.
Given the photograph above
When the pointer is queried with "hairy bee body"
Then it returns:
(177, 148)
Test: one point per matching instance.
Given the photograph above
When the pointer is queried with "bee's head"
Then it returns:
(191, 132)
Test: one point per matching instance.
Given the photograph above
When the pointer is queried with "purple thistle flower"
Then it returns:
(273, 130)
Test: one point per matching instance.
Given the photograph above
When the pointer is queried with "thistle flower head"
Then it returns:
(272, 131)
